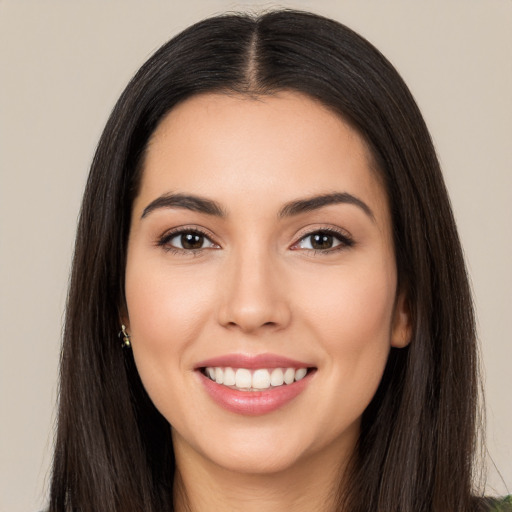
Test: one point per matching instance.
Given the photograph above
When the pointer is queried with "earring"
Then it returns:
(126, 337)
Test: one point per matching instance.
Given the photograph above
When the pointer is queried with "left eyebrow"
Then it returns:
(187, 202)
(314, 203)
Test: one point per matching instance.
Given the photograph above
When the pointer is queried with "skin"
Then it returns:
(257, 287)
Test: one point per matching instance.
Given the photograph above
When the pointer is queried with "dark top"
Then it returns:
(504, 505)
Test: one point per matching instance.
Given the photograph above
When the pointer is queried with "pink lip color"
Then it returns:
(253, 403)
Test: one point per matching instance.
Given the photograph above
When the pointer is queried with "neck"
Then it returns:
(311, 484)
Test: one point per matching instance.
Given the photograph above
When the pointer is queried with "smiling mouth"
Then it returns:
(258, 379)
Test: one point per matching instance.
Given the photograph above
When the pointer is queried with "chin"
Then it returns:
(263, 461)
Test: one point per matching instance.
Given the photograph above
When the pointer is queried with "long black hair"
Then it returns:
(113, 448)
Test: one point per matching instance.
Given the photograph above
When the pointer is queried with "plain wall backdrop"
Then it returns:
(63, 65)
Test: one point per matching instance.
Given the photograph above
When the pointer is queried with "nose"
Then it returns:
(253, 297)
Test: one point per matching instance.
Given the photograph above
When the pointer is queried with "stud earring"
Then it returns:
(126, 337)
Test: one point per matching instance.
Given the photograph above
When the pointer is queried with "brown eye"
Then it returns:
(324, 241)
(187, 241)
(192, 241)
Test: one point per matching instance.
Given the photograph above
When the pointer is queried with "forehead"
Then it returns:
(271, 147)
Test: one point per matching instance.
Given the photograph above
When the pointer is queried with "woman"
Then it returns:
(266, 222)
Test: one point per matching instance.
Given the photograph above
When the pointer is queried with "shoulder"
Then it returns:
(488, 504)
(501, 505)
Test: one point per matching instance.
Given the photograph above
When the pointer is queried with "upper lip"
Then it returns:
(252, 361)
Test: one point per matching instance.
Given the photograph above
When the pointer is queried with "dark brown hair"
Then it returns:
(415, 454)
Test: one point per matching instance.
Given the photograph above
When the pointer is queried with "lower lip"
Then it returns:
(253, 403)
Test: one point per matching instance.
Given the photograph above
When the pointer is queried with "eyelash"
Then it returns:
(345, 241)
(164, 241)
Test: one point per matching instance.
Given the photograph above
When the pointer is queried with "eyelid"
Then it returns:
(164, 239)
(344, 237)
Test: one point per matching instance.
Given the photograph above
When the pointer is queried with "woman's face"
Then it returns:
(261, 250)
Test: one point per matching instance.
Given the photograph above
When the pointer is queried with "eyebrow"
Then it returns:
(314, 203)
(187, 202)
(210, 207)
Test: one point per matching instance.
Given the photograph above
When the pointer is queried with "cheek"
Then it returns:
(351, 314)
(163, 307)
(166, 313)
(350, 301)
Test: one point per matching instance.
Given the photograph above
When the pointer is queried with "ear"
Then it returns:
(401, 329)
(124, 319)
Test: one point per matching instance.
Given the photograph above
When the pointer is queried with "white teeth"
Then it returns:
(243, 378)
(229, 377)
(299, 374)
(277, 377)
(261, 378)
(289, 375)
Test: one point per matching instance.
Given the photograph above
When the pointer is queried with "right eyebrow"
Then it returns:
(316, 202)
(187, 202)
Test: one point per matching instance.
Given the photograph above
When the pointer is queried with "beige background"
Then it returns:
(63, 65)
